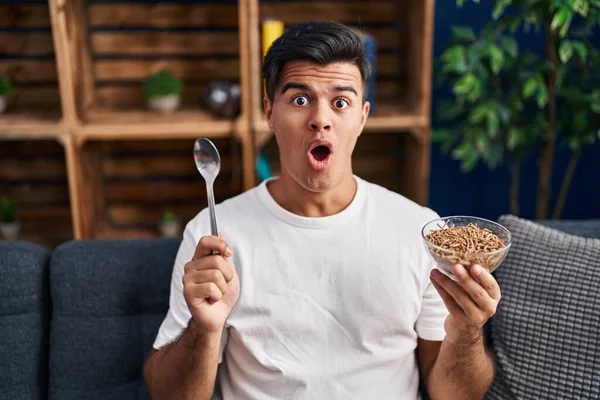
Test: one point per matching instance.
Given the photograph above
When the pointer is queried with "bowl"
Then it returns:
(466, 250)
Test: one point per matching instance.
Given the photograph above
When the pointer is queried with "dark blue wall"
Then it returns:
(483, 192)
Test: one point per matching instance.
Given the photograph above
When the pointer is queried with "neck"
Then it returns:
(293, 197)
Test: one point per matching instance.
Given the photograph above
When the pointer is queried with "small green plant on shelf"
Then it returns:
(169, 225)
(6, 89)
(9, 223)
(162, 90)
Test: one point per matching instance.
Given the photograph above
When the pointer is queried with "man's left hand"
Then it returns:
(471, 301)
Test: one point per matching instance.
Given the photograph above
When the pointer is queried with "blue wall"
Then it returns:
(483, 192)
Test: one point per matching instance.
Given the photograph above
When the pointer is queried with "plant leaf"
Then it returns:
(496, 59)
(463, 33)
(530, 87)
(493, 123)
(581, 49)
(511, 46)
(478, 114)
(515, 137)
(562, 20)
(500, 7)
(565, 51)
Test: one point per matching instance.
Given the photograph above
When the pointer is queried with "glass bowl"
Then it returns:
(445, 258)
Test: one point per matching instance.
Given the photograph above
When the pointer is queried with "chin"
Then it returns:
(318, 182)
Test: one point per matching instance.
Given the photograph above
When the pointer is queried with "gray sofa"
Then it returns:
(79, 322)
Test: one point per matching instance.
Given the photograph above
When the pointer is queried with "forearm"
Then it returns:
(463, 368)
(186, 368)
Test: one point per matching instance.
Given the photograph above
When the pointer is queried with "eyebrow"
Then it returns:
(302, 86)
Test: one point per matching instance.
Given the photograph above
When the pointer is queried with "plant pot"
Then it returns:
(3, 103)
(10, 230)
(164, 104)
(169, 229)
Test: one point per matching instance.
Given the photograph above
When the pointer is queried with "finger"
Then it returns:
(473, 288)
(448, 300)
(204, 276)
(487, 281)
(212, 262)
(208, 244)
(457, 292)
(207, 290)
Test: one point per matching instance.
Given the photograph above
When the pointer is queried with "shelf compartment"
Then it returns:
(27, 59)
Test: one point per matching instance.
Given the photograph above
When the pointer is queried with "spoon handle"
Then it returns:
(213, 216)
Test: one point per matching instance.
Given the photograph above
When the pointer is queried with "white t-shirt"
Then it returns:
(329, 308)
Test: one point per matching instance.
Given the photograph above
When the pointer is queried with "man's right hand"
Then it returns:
(211, 285)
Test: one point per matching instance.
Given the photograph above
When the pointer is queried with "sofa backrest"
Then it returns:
(109, 298)
(545, 336)
(24, 320)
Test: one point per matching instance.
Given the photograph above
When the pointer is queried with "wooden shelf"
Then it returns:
(109, 124)
(31, 125)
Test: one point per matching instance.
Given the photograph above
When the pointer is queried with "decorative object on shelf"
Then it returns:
(371, 52)
(6, 89)
(223, 98)
(9, 224)
(271, 30)
(169, 225)
(162, 89)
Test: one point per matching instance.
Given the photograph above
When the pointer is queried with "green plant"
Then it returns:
(6, 87)
(9, 213)
(161, 83)
(169, 218)
(506, 101)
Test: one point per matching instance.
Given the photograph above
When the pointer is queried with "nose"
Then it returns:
(320, 120)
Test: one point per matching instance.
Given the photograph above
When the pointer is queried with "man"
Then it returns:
(321, 288)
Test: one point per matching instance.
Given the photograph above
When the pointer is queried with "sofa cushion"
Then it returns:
(109, 299)
(24, 320)
(545, 336)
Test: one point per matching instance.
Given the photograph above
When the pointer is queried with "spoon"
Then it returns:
(208, 164)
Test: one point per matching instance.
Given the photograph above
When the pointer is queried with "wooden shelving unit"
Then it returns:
(79, 64)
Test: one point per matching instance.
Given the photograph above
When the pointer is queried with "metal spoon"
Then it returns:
(208, 164)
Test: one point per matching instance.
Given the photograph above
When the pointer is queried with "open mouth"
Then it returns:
(319, 155)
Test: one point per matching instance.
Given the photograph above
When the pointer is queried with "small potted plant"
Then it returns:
(162, 90)
(9, 225)
(6, 89)
(169, 225)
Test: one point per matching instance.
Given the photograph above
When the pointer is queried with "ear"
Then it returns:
(365, 114)
(268, 107)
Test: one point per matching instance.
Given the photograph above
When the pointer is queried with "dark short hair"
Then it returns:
(319, 42)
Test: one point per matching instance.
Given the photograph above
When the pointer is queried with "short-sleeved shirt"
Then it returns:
(330, 307)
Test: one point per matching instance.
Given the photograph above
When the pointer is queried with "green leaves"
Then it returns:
(565, 51)
(468, 85)
(511, 46)
(463, 33)
(500, 7)
(535, 86)
(455, 59)
(6, 86)
(562, 21)
(496, 58)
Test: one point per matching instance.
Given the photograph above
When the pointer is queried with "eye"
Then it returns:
(300, 100)
(340, 104)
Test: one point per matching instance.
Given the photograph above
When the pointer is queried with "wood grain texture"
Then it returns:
(353, 12)
(24, 15)
(29, 70)
(164, 43)
(115, 70)
(163, 15)
(26, 43)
